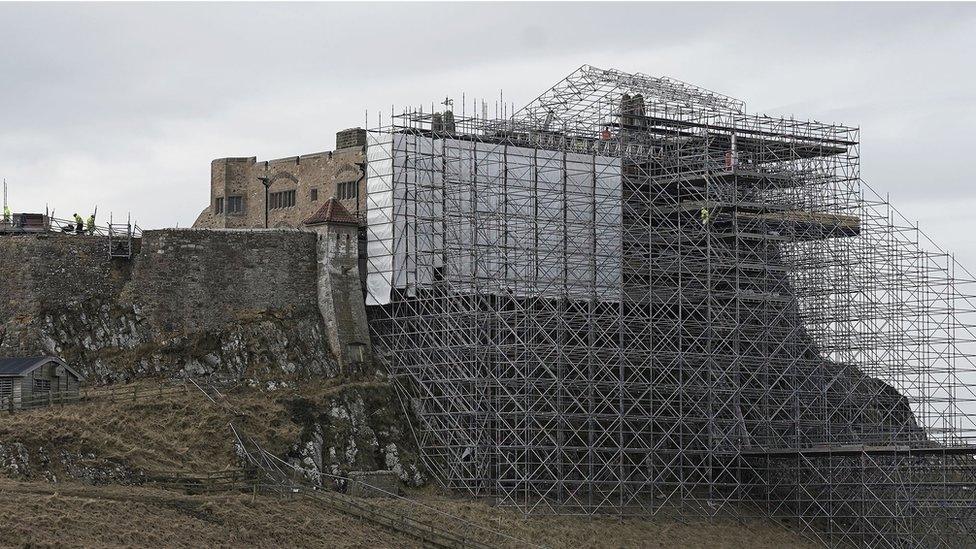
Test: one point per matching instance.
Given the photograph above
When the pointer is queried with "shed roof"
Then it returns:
(332, 211)
(21, 366)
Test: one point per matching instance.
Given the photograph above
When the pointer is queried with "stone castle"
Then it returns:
(254, 304)
(283, 193)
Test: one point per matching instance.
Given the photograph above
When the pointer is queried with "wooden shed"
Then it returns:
(26, 382)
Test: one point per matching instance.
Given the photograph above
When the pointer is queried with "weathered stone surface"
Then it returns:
(312, 177)
(198, 302)
(360, 428)
(340, 296)
(17, 460)
(191, 301)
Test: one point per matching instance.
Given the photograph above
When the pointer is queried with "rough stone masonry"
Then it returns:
(238, 302)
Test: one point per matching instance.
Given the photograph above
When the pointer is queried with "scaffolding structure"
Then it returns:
(633, 297)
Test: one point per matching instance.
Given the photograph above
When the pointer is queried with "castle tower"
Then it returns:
(341, 301)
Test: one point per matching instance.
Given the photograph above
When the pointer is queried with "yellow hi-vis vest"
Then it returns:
(704, 216)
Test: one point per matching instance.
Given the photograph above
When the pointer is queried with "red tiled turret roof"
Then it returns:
(332, 212)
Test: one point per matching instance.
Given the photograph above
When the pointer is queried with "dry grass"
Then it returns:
(39, 514)
(600, 532)
(185, 432)
(172, 432)
(36, 514)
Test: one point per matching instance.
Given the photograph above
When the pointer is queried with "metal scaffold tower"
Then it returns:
(120, 238)
(633, 297)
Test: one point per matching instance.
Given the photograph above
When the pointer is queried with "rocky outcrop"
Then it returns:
(361, 428)
(190, 302)
(118, 344)
(54, 463)
(325, 431)
(195, 303)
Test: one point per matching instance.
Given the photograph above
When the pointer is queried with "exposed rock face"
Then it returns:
(118, 344)
(324, 430)
(17, 460)
(360, 428)
(241, 303)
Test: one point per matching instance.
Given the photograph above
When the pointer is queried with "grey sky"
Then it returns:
(124, 105)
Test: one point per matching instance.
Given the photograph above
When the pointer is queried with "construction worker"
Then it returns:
(704, 216)
(79, 224)
(91, 224)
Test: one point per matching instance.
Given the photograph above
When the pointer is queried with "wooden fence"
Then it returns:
(231, 480)
(259, 480)
(261, 475)
(133, 392)
(281, 476)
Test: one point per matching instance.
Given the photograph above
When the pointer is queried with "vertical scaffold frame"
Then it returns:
(720, 317)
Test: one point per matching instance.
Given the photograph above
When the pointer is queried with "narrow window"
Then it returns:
(346, 190)
(219, 205)
(42, 386)
(282, 199)
(315, 195)
(6, 393)
(235, 204)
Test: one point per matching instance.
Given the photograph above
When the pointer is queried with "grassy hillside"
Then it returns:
(39, 514)
(97, 453)
(139, 430)
(142, 430)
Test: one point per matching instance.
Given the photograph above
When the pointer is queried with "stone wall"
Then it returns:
(191, 301)
(202, 279)
(314, 178)
(43, 272)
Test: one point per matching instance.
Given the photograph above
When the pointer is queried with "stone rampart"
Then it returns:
(242, 302)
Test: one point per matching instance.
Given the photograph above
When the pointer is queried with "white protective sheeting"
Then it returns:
(492, 218)
(379, 218)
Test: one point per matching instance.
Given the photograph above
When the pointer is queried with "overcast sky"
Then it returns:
(125, 105)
